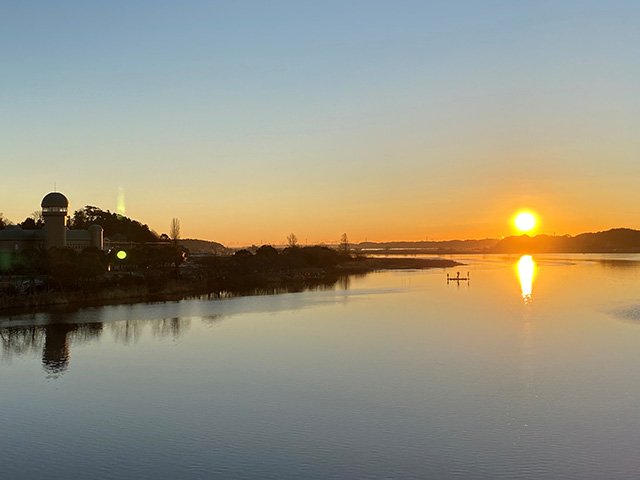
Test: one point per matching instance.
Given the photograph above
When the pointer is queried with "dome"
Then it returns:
(95, 228)
(55, 199)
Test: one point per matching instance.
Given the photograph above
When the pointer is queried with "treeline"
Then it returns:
(621, 240)
(245, 270)
(37, 278)
(63, 269)
(115, 226)
(439, 245)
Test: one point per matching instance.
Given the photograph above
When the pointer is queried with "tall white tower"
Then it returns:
(54, 210)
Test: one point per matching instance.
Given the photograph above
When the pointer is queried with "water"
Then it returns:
(531, 370)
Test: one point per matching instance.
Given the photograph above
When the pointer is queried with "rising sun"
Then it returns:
(525, 221)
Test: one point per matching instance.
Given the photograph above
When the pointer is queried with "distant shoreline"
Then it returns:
(411, 252)
(615, 240)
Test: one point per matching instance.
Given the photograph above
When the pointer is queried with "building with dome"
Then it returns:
(55, 209)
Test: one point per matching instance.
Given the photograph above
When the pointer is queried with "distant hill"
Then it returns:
(617, 240)
(204, 246)
(434, 246)
(620, 240)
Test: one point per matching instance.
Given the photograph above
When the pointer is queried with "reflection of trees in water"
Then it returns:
(19, 341)
(614, 264)
(213, 320)
(345, 282)
(170, 327)
(131, 331)
(322, 284)
(126, 332)
(53, 342)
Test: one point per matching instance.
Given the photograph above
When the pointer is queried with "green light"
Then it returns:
(121, 254)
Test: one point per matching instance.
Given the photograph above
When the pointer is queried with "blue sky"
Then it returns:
(249, 120)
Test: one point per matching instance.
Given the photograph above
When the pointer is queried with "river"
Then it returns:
(529, 370)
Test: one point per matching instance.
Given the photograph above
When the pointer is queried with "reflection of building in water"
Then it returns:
(58, 337)
(55, 355)
(526, 271)
(52, 340)
(55, 232)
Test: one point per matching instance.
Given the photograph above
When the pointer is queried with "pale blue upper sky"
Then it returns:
(385, 119)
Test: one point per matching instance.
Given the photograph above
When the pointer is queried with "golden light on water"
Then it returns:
(525, 221)
(526, 271)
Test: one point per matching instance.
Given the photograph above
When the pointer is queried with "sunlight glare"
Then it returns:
(525, 221)
(526, 270)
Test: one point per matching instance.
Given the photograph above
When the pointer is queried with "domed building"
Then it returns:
(55, 208)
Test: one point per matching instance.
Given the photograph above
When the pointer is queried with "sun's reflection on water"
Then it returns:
(526, 271)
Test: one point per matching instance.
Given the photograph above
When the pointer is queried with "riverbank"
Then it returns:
(195, 280)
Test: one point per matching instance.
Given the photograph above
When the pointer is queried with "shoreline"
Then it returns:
(185, 288)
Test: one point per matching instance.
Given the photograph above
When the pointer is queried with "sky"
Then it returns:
(385, 120)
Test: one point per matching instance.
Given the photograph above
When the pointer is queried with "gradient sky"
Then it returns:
(387, 120)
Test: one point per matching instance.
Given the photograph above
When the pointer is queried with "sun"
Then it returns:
(525, 221)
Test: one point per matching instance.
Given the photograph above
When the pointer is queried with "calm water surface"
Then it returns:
(531, 370)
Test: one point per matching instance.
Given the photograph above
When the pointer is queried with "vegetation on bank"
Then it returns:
(142, 265)
(156, 272)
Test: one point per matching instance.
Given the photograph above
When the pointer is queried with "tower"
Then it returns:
(97, 234)
(54, 210)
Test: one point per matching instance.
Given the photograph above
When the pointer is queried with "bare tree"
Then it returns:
(174, 231)
(38, 218)
(344, 244)
(292, 240)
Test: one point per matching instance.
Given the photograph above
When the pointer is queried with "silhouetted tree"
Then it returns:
(292, 240)
(113, 225)
(38, 218)
(174, 231)
(3, 221)
(344, 244)
(267, 251)
(64, 265)
(35, 221)
(34, 262)
(92, 263)
(28, 224)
